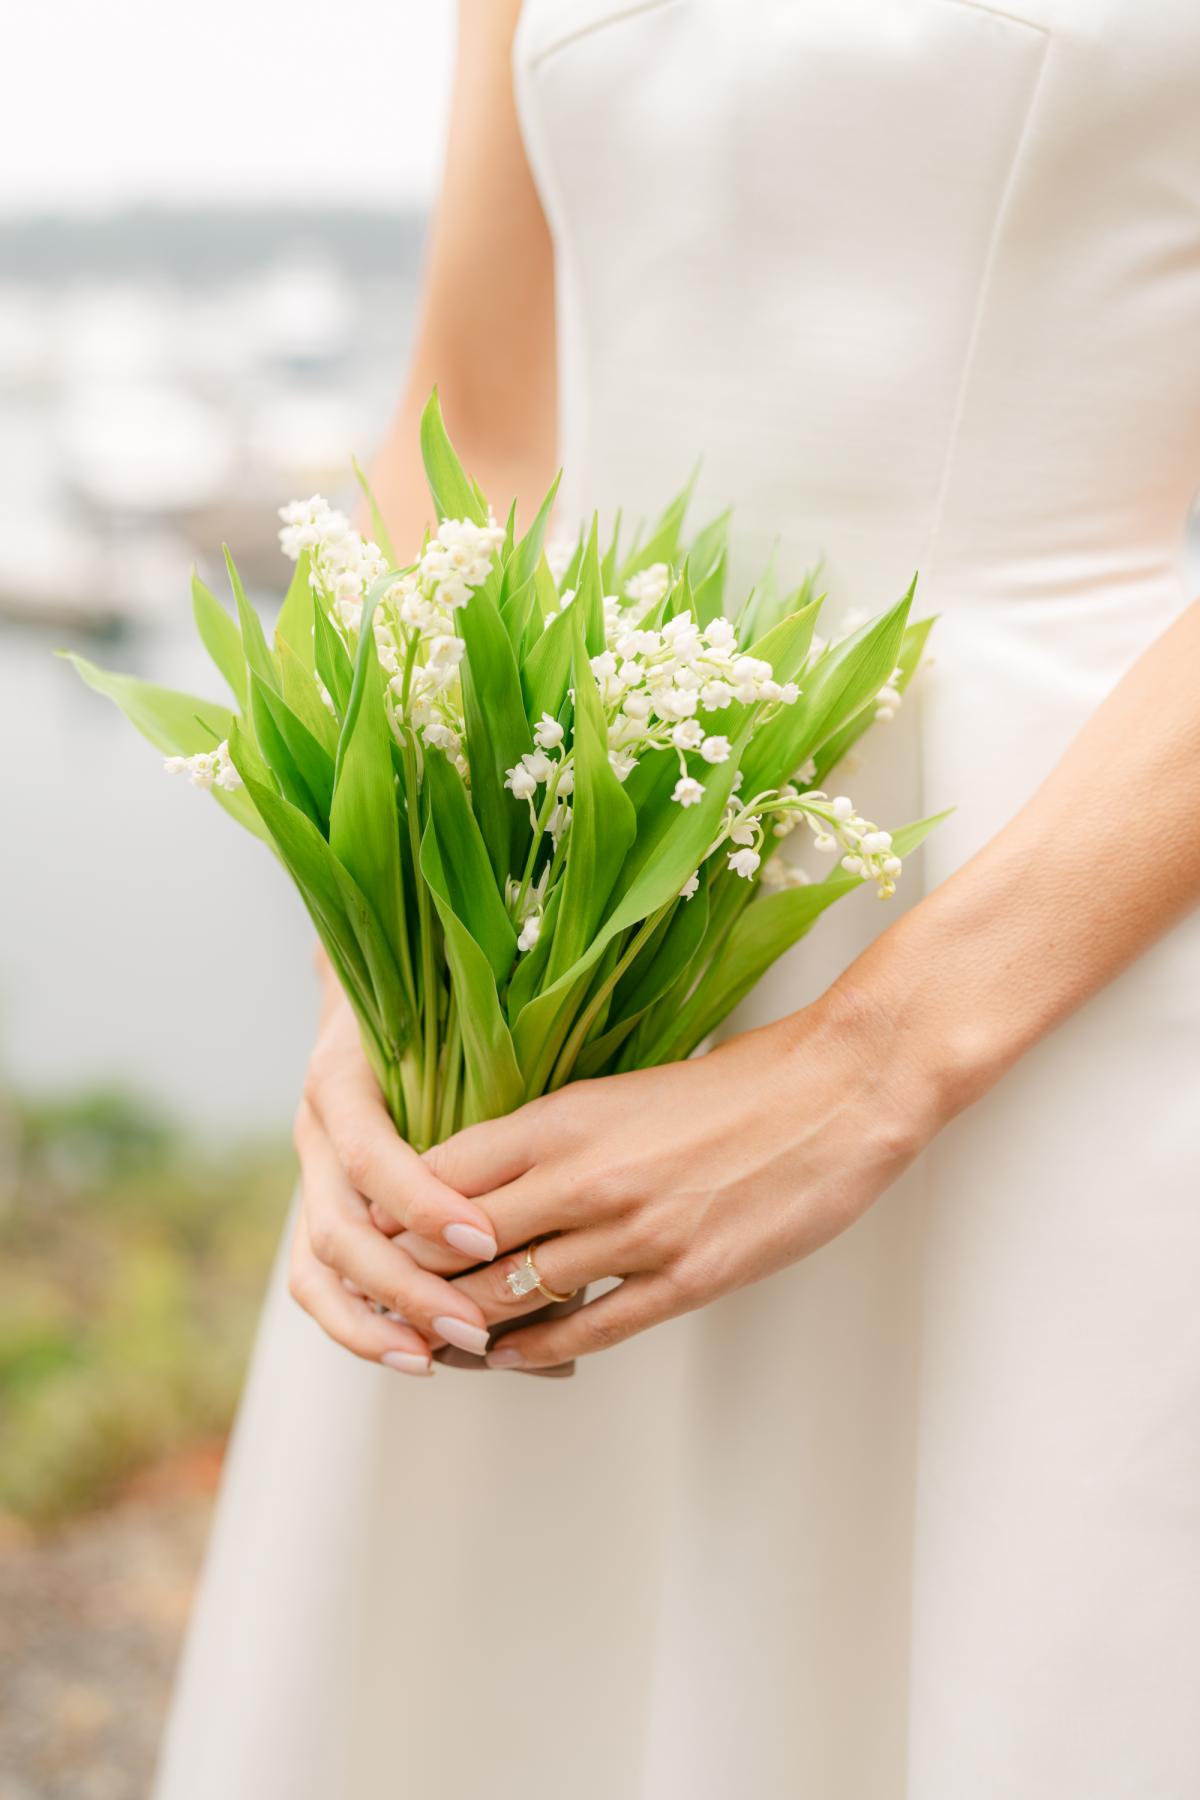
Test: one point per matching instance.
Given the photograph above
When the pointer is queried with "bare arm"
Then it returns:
(1102, 861)
(485, 335)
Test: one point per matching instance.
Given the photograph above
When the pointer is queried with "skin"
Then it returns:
(697, 1178)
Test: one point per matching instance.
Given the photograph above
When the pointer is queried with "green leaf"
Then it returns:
(300, 694)
(588, 604)
(221, 638)
(520, 566)
(333, 661)
(546, 674)
(517, 612)
(379, 530)
(336, 905)
(908, 661)
(498, 732)
(454, 494)
(254, 644)
(493, 1080)
(609, 562)
(603, 825)
(469, 883)
(771, 924)
(300, 764)
(294, 625)
(707, 548)
(709, 598)
(177, 724)
(664, 962)
(843, 680)
(363, 819)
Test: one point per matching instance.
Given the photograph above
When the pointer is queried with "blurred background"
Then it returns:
(211, 226)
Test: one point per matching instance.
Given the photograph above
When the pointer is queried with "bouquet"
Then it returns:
(534, 804)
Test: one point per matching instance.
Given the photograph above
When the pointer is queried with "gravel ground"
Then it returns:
(90, 1623)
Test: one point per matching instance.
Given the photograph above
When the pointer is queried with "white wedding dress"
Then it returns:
(918, 1519)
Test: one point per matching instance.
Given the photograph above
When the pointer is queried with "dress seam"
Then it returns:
(590, 26)
(985, 284)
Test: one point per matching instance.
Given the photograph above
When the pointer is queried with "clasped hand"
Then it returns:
(685, 1181)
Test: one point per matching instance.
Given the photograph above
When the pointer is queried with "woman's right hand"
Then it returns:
(352, 1157)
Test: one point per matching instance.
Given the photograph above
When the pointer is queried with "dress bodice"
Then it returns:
(920, 279)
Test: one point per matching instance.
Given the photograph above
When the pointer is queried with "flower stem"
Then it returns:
(583, 1024)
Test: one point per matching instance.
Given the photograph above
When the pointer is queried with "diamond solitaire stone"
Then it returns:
(522, 1280)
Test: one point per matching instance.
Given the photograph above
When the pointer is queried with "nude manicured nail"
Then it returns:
(407, 1363)
(470, 1242)
(506, 1359)
(462, 1335)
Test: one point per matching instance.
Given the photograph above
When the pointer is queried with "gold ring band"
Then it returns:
(526, 1278)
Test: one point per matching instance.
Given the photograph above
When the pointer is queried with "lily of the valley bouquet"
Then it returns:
(534, 812)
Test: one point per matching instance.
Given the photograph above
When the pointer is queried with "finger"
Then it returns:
(640, 1301)
(486, 1156)
(342, 1237)
(351, 1322)
(345, 1097)
(564, 1264)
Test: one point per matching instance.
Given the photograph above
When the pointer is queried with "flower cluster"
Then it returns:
(655, 684)
(207, 769)
(343, 565)
(419, 648)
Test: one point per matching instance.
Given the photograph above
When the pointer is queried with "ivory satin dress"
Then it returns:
(918, 1519)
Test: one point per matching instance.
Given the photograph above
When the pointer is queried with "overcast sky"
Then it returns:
(223, 99)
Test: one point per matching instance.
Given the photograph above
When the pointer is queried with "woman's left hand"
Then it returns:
(687, 1180)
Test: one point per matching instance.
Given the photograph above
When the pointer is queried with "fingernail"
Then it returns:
(506, 1359)
(407, 1362)
(469, 1242)
(462, 1335)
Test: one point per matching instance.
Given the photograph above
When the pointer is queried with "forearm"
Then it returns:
(1102, 861)
(485, 336)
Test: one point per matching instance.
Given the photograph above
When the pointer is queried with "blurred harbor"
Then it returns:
(167, 379)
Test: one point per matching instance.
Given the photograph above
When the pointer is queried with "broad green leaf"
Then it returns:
(908, 661)
(588, 604)
(300, 694)
(379, 530)
(517, 611)
(363, 820)
(771, 924)
(333, 661)
(520, 566)
(177, 724)
(498, 732)
(493, 1080)
(221, 638)
(467, 873)
(258, 655)
(655, 870)
(294, 625)
(709, 598)
(609, 562)
(546, 674)
(707, 548)
(300, 764)
(832, 691)
(343, 915)
(454, 494)
(603, 825)
(665, 960)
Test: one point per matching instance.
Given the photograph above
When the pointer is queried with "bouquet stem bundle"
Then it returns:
(535, 812)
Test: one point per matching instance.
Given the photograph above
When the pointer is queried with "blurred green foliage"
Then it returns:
(132, 1263)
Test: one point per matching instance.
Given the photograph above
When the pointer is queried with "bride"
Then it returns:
(916, 1517)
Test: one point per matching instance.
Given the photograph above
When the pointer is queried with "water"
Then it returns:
(145, 940)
